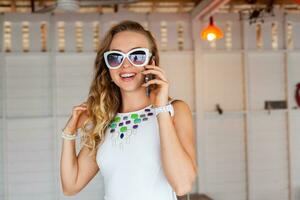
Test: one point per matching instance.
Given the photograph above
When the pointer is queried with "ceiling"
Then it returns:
(102, 6)
(143, 6)
(238, 5)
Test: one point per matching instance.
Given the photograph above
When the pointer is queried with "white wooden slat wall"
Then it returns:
(29, 132)
(2, 90)
(223, 81)
(224, 143)
(294, 73)
(34, 30)
(262, 146)
(1, 126)
(29, 158)
(172, 21)
(293, 59)
(295, 149)
(268, 166)
(268, 161)
(1, 156)
(73, 76)
(28, 85)
(225, 161)
(266, 78)
(180, 73)
(40, 90)
(1, 168)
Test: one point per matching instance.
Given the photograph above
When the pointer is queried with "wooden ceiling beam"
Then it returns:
(13, 6)
(42, 3)
(171, 1)
(243, 2)
(206, 8)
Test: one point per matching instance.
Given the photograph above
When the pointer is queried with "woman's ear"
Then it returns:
(153, 58)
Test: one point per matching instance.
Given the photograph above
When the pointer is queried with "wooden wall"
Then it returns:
(248, 152)
(39, 89)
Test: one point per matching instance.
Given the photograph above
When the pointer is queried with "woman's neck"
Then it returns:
(134, 100)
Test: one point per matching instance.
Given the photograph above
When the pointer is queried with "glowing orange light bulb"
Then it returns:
(211, 32)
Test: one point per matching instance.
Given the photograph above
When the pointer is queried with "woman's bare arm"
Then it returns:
(76, 171)
(177, 139)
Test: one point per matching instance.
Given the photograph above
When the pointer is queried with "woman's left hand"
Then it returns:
(159, 96)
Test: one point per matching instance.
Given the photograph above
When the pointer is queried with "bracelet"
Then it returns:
(167, 108)
(68, 136)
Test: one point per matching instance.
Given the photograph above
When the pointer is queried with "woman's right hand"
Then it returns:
(79, 114)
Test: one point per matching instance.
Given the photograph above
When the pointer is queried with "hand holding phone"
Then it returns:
(149, 77)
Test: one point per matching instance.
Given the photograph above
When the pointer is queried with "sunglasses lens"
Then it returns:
(138, 57)
(114, 59)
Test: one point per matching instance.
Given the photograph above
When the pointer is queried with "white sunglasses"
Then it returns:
(138, 57)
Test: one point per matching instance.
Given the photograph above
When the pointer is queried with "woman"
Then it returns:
(143, 145)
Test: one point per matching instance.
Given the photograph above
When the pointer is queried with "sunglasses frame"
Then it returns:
(125, 55)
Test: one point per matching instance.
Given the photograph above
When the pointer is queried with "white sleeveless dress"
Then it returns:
(129, 158)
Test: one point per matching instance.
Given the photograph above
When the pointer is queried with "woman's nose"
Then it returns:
(126, 63)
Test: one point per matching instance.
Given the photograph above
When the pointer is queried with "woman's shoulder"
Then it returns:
(176, 101)
(179, 106)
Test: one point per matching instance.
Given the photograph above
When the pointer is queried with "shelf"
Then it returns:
(229, 112)
(37, 53)
(172, 51)
(205, 51)
(242, 112)
(295, 111)
(214, 51)
(268, 111)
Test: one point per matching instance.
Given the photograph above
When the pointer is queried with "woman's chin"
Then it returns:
(132, 88)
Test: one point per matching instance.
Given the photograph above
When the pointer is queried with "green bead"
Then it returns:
(136, 121)
(113, 125)
(123, 129)
(134, 116)
(117, 119)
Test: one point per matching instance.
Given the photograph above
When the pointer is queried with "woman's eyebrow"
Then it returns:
(122, 51)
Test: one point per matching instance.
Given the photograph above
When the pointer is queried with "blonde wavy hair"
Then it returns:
(104, 98)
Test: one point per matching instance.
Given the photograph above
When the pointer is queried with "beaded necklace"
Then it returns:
(125, 125)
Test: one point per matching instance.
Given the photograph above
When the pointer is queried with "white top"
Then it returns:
(129, 158)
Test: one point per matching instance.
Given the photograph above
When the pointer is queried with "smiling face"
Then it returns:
(124, 42)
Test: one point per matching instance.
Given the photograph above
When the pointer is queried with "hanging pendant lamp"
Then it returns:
(211, 32)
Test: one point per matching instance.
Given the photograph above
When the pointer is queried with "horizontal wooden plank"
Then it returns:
(268, 175)
(72, 83)
(271, 194)
(30, 177)
(36, 196)
(30, 167)
(219, 158)
(30, 156)
(32, 93)
(29, 107)
(226, 82)
(226, 176)
(227, 195)
(222, 189)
